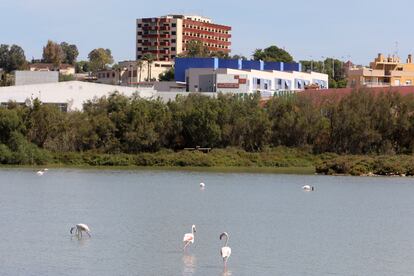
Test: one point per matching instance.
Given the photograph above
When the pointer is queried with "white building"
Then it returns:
(268, 83)
(71, 95)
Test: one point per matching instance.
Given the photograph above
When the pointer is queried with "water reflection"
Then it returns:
(83, 242)
(189, 265)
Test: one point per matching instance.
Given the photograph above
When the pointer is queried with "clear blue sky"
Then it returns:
(356, 28)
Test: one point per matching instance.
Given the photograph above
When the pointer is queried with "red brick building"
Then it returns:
(167, 36)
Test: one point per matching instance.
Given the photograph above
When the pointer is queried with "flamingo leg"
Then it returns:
(88, 234)
(186, 244)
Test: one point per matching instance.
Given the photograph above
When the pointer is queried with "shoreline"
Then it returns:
(250, 170)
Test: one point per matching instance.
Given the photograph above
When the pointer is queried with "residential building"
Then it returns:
(167, 36)
(383, 71)
(64, 69)
(131, 73)
(241, 76)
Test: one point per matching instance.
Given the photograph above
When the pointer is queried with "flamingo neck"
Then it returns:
(227, 240)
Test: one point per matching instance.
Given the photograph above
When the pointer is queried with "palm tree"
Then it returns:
(139, 66)
(149, 58)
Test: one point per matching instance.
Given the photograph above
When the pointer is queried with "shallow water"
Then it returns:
(348, 226)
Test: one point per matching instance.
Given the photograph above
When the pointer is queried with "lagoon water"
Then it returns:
(348, 226)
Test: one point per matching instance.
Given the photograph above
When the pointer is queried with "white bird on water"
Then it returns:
(225, 250)
(79, 228)
(202, 185)
(308, 188)
(41, 172)
(189, 237)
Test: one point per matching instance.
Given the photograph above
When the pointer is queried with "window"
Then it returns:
(139, 40)
(113, 74)
(173, 33)
(173, 25)
(139, 49)
(139, 33)
(172, 48)
(139, 25)
(173, 41)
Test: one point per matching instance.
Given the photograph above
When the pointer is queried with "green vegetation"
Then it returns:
(360, 133)
(272, 54)
(12, 58)
(334, 68)
(99, 59)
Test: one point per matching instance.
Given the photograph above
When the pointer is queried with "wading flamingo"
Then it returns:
(79, 228)
(41, 172)
(189, 237)
(225, 250)
(308, 188)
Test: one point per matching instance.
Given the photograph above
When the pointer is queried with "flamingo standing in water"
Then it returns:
(79, 228)
(308, 188)
(189, 237)
(225, 250)
(41, 172)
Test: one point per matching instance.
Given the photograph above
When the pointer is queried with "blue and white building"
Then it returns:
(242, 76)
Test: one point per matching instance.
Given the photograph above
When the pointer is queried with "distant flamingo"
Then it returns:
(202, 185)
(79, 228)
(41, 172)
(308, 188)
(225, 250)
(189, 237)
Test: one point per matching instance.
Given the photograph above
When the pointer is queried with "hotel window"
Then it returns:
(174, 33)
(173, 25)
(139, 25)
(173, 41)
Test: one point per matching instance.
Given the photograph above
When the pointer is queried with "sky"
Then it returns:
(308, 29)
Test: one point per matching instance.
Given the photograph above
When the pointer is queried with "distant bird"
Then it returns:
(79, 228)
(225, 250)
(41, 172)
(189, 237)
(202, 185)
(308, 188)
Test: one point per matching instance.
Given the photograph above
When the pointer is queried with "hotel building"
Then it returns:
(167, 36)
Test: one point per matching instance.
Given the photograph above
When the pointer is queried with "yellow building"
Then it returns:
(383, 71)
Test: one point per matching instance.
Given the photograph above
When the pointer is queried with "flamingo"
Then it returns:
(189, 237)
(79, 228)
(225, 250)
(41, 172)
(308, 188)
(202, 185)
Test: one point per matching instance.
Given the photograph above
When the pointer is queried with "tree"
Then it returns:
(12, 58)
(220, 54)
(149, 58)
(196, 48)
(82, 66)
(53, 53)
(139, 69)
(70, 51)
(272, 53)
(99, 59)
(167, 75)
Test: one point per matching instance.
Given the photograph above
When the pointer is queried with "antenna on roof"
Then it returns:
(396, 48)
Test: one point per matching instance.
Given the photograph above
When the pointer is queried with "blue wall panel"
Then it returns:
(276, 66)
(292, 66)
(182, 64)
(252, 65)
(230, 63)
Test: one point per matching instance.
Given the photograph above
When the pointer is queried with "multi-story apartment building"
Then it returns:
(383, 71)
(167, 36)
